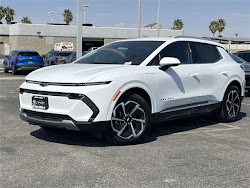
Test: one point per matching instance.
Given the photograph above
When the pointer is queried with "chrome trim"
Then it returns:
(67, 84)
(194, 105)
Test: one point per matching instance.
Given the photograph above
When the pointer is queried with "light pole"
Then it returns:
(51, 15)
(84, 13)
(139, 18)
(158, 18)
(79, 29)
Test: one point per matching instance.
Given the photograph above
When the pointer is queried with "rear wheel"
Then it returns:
(231, 104)
(13, 68)
(130, 120)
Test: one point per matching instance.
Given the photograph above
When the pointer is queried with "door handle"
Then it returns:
(194, 74)
(223, 72)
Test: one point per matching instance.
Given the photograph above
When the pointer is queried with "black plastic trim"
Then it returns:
(62, 122)
(160, 117)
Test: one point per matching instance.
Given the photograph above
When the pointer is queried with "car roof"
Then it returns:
(25, 51)
(175, 39)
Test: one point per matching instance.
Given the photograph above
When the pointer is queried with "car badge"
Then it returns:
(44, 84)
(30, 57)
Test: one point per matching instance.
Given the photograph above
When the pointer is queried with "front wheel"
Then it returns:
(5, 69)
(13, 68)
(130, 121)
(231, 105)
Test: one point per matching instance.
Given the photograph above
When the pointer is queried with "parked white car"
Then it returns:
(121, 88)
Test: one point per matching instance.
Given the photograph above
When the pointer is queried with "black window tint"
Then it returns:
(246, 56)
(155, 61)
(64, 53)
(201, 53)
(216, 53)
(28, 54)
(180, 50)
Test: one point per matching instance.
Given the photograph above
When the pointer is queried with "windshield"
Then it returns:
(126, 52)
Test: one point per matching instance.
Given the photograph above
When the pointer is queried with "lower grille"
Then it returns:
(46, 116)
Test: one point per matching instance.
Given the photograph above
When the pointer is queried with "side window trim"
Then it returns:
(159, 55)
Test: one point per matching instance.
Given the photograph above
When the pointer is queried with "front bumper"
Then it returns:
(62, 122)
(27, 67)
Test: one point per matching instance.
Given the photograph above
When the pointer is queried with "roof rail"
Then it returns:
(190, 37)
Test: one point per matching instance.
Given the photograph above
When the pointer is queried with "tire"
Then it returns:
(130, 121)
(231, 105)
(13, 68)
(5, 69)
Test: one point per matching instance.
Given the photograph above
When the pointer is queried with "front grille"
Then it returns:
(46, 116)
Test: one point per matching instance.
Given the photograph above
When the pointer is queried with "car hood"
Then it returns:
(72, 73)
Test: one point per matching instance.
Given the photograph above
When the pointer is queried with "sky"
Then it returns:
(195, 14)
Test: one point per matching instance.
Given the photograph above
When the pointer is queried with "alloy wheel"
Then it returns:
(128, 120)
(233, 103)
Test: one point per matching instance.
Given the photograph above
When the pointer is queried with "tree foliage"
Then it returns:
(177, 25)
(221, 25)
(9, 14)
(217, 26)
(68, 16)
(2, 14)
(26, 19)
(213, 27)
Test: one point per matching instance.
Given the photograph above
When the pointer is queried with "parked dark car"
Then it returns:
(52, 57)
(22, 60)
(244, 55)
(71, 58)
(246, 66)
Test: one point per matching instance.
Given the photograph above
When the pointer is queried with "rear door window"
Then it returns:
(201, 53)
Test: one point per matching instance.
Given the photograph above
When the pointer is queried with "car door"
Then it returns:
(213, 74)
(178, 86)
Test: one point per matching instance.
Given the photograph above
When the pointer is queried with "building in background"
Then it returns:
(41, 37)
(232, 44)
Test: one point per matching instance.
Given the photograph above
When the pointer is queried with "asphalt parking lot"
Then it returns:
(191, 152)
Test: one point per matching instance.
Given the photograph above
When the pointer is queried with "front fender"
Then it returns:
(125, 87)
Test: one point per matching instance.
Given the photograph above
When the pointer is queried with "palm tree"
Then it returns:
(26, 19)
(9, 14)
(68, 16)
(221, 25)
(213, 27)
(1, 13)
(177, 25)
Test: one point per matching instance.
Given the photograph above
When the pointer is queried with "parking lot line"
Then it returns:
(245, 104)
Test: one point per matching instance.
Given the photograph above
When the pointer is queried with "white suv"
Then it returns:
(121, 88)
